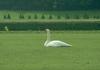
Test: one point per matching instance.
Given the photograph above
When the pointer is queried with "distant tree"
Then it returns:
(96, 17)
(50, 17)
(35, 16)
(5, 17)
(29, 17)
(58, 17)
(43, 16)
(77, 17)
(67, 16)
(21, 16)
(9, 17)
(85, 16)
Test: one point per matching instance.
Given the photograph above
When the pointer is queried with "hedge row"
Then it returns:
(52, 26)
(51, 16)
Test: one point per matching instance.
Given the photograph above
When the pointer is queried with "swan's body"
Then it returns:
(54, 43)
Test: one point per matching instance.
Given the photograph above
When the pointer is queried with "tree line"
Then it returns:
(49, 5)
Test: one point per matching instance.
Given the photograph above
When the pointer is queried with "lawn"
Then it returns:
(25, 51)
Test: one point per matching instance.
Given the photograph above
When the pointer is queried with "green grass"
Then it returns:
(25, 51)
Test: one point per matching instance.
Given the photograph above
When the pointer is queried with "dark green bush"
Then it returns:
(77, 17)
(58, 17)
(29, 17)
(21, 16)
(85, 16)
(42, 16)
(50, 17)
(96, 17)
(35, 16)
(67, 16)
(53, 26)
(7, 16)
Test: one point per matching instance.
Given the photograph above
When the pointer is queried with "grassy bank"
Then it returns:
(25, 51)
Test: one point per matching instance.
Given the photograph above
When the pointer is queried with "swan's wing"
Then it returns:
(61, 43)
(57, 43)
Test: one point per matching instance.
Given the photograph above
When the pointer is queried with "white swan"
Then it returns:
(54, 43)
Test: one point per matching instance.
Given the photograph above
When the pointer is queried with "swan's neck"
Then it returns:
(48, 35)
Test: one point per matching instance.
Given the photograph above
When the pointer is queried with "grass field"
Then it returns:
(25, 51)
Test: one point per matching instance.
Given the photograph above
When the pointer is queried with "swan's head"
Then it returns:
(47, 30)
